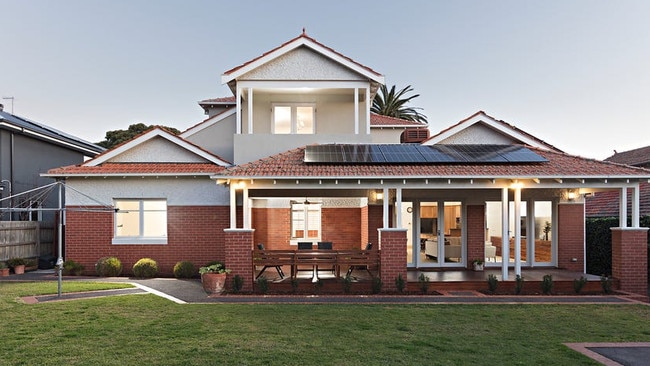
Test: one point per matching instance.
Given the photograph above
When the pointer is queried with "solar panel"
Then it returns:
(419, 154)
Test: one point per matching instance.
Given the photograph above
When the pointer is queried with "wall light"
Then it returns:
(571, 195)
(380, 196)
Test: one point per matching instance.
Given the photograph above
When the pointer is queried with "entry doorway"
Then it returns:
(435, 234)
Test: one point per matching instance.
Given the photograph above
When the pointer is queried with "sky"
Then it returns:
(575, 74)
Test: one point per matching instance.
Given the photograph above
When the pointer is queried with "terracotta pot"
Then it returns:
(214, 283)
(19, 269)
(4, 272)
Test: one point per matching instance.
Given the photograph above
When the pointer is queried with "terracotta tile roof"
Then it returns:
(224, 100)
(377, 120)
(605, 204)
(305, 36)
(637, 157)
(139, 168)
(291, 164)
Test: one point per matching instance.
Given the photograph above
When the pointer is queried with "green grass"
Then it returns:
(146, 329)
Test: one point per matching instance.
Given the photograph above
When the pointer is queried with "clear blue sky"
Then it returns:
(574, 73)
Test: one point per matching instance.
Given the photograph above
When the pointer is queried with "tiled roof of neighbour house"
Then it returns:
(506, 126)
(606, 204)
(43, 132)
(291, 164)
(224, 100)
(304, 36)
(636, 157)
(107, 169)
(378, 120)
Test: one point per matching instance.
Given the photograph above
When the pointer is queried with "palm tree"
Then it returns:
(389, 103)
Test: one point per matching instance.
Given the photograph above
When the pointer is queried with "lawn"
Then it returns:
(146, 329)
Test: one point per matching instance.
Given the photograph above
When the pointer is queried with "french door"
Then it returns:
(435, 232)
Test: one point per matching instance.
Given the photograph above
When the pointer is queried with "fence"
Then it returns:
(25, 239)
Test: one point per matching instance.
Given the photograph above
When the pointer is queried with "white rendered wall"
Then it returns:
(158, 150)
(479, 134)
(178, 191)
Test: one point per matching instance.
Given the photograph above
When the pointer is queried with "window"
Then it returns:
(305, 221)
(293, 118)
(140, 221)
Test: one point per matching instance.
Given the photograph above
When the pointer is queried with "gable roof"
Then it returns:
(306, 41)
(156, 131)
(559, 166)
(636, 157)
(42, 132)
(103, 166)
(501, 127)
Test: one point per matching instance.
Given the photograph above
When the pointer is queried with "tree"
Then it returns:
(392, 104)
(116, 137)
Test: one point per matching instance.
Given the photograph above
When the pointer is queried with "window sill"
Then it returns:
(136, 241)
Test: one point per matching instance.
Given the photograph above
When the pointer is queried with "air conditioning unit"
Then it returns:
(414, 135)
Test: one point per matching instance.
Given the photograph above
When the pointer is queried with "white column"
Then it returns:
(356, 111)
(505, 238)
(368, 104)
(635, 206)
(386, 208)
(531, 234)
(622, 209)
(250, 111)
(238, 100)
(233, 206)
(246, 209)
(398, 208)
(518, 231)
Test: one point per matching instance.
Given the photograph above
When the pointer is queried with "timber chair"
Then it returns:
(305, 245)
(325, 245)
(278, 268)
(360, 267)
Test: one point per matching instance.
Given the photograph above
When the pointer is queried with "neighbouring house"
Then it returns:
(295, 155)
(28, 148)
(606, 204)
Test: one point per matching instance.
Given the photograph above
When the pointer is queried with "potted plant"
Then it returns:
(4, 269)
(213, 277)
(478, 264)
(18, 265)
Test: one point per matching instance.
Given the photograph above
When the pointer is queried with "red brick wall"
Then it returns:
(343, 227)
(346, 227)
(571, 229)
(392, 257)
(272, 227)
(195, 233)
(375, 221)
(630, 259)
(239, 256)
(475, 233)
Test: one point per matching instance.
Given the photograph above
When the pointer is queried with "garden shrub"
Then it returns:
(519, 284)
(400, 283)
(145, 268)
(237, 283)
(493, 283)
(547, 284)
(184, 269)
(347, 284)
(263, 284)
(108, 267)
(72, 268)
(578, 284)
(424, 283)
(376, 285)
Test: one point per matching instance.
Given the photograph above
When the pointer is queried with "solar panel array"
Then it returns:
(419, 154)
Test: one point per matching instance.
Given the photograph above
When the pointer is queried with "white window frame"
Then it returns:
(141, 238)
(308, 225)
(294, 117)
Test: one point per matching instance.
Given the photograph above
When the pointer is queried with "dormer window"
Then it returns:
(294, 118)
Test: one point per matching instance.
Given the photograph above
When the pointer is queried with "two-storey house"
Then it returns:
(295, 155)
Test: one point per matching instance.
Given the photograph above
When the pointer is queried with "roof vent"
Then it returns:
(414, 135)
